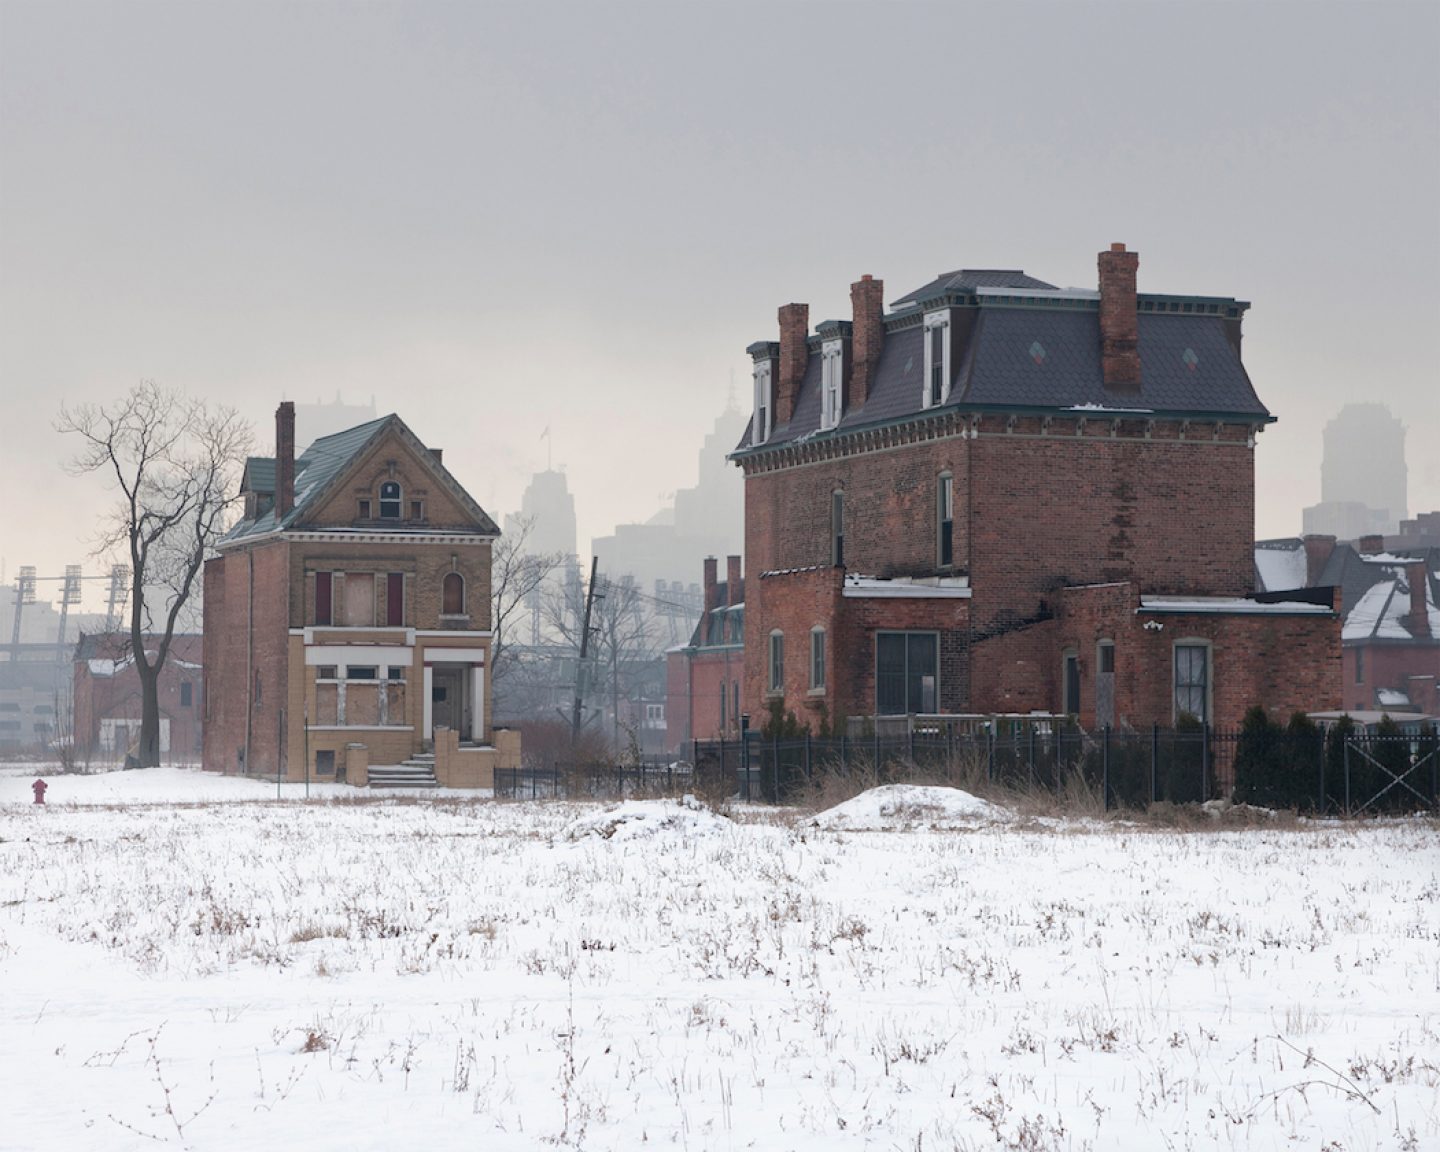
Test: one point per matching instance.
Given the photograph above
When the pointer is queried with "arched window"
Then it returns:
(453, 595)
(390, 500)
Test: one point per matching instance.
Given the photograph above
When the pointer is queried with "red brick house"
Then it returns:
(107, 698)
(703, 677)
(1391, 609)
(1001, 496)
(347, 617)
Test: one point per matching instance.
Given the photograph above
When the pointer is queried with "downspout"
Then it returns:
(249, 652)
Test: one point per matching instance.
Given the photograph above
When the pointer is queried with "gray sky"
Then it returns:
(498, 218)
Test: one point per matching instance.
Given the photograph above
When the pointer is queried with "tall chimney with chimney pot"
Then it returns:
(1119, 320)
(794, 355)
(867, 337)
(284, 458)
(734, 586)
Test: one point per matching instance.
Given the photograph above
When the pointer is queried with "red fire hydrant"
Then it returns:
(39, 787)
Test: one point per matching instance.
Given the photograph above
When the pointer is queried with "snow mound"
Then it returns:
(648, 819)
(909, 805)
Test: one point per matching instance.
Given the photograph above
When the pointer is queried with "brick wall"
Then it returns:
(238, 645)
(1387, 666)
(424, 566)
(1284, 663)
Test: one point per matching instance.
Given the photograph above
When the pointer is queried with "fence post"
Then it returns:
(1205, 760)
(990, 753)
(1105, 773)
(1154, 758)
(1320, 796)
(910, 733)
(1032, 756)
(1347, 775)
(876, 765)
(807, 754)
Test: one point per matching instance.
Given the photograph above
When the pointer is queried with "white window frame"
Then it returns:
(832, 376)
(935, 320)
(837, 527)
(817, 660)
(776, 673)
(1068, 706)
(1192, 642)
(764, 404)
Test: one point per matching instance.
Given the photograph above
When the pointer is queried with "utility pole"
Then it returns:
(580, 664)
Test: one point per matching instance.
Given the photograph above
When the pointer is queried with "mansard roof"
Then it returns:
(1026, 346)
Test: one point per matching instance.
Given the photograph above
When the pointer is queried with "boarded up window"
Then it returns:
(327, 704)
(359, 600)
(395, 599)
(395, 702)
(322, 598)
(362, 703)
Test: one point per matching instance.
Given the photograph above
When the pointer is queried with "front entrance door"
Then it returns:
(447, 701)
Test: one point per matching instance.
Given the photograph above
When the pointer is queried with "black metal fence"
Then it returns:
(650, 777)
(1343, 771)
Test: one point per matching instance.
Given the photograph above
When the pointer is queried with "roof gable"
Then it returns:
(326, 472)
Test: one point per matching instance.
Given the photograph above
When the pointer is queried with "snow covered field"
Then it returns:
(185, 961)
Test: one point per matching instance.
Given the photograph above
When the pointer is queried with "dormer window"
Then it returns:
(831, 370)
(764, 401)
(390, 500)
(937, 359)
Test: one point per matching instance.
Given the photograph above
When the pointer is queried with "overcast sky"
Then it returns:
(498, 218)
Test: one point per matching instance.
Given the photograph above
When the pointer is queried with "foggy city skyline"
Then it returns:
(499, 220)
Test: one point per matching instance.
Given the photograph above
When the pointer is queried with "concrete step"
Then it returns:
(407, 775)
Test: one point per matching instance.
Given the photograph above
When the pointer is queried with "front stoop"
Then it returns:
(416, 772)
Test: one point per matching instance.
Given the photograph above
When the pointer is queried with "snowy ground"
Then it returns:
(186, 961)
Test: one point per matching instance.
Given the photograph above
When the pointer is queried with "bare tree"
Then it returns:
(517, 577)
(174, 462)
(624, 641)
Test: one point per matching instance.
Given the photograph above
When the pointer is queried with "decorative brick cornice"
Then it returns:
(962, 423)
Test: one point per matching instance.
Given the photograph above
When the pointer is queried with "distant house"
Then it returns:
(703, 677)
(347, 616)
(1391, 608)
(107, 697)
(1004, 496)
(1391, 614)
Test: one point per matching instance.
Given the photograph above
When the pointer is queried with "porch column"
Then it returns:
(477, 703)
(428, 732)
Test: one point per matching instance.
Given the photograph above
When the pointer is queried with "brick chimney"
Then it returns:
(734, 584)
(1119, 325)
(794, 354)
(1418, 620)
(712, 594)
(1369, 545)
(867, 337)
(284, 458)
(438, 454)
(1318, 550)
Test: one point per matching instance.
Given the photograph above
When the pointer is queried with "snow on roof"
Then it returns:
(1381, 613)
(1228, 605)
(103, 667)
(1389, 558)
(1392, 697)
(908, 587)
(1092, 407)
(1281, 569)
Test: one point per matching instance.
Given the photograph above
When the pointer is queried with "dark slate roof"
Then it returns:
(1051, 359)
(967, 280)
(327, 459)
(259, 475)
(1045, 356)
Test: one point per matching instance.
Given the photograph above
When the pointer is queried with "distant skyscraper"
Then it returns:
(549, 510)
(1362, 475)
